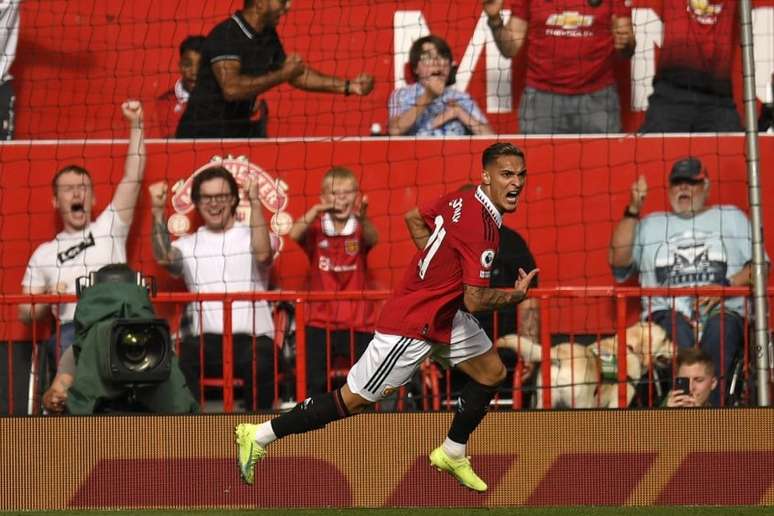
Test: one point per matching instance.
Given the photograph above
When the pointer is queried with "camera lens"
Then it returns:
(140, 348)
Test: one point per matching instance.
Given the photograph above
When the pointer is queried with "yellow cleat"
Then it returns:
(458, 468)
(249, 452)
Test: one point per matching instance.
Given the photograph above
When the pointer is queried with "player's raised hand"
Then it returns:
(522, 284)
(639, 193)
(132, 110)
(158, 196)
(492, 8)
(362, 84)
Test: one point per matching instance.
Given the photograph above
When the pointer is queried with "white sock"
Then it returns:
(454, 449)
(264, 435)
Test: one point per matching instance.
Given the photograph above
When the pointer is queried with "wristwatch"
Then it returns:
(630, 214)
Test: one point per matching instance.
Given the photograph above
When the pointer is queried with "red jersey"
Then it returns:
(569, 43)
(169, 108)
(460, 251)
(699, 41)
(338, 263)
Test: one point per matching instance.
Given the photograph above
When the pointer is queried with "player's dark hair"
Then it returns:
(215, 173)
(415, 54)
(692, 356)
(76, 169)
(193, 43)
(496, 150)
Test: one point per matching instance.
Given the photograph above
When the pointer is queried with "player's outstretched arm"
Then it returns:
(417, 228)
(127, 191)
(481, 299)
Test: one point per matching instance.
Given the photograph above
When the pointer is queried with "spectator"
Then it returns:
(692, 85)
(84, 246)
(9, 36)
(430, 106)
(570, 86)
(171, 105)
(336, 235)
(222, 256)
(690, 246)
(696, 367)
(242, 58)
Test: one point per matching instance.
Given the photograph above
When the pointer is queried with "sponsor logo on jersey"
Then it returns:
(569, 21)
(704, 11)
(272, 192)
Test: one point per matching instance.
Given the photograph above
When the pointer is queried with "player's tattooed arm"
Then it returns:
(417, 228)
(165, 255)
(481, 299)
(529, 319)
(484, 299)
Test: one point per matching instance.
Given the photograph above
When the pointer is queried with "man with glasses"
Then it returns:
(84, 245)
(223, 255)
(693, 245)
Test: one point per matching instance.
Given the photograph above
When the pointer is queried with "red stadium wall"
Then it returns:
(570, 458)
(576, 191)
(77, 60)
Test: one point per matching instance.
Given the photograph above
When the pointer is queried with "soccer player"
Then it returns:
(428, 315)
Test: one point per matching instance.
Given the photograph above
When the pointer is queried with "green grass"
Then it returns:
(550, 511)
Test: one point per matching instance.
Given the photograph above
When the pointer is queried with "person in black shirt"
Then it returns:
(242, 58)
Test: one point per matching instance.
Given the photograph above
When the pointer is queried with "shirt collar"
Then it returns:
(246, 28)
(330, 230)
(180, 92)
(487, 203)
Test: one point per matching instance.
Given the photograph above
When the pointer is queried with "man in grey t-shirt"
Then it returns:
(693, 245)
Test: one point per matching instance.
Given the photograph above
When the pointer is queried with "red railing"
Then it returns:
(432, 380)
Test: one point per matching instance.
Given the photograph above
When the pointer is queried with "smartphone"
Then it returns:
(683, 383)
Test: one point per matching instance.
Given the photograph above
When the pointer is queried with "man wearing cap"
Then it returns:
(690, 246)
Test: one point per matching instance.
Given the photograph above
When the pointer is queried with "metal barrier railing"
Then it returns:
(440, 393)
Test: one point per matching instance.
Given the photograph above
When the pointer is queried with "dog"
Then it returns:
(577, 370)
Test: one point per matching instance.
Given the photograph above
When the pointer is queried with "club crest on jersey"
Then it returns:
(272, 192)
(351, 246)
(704, 11)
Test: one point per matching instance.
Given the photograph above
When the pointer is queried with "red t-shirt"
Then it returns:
(699, 42)
(459, 252)
(569, 43)
(338, 263)
(170, 107)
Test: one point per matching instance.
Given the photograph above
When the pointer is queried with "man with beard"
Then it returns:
(223, 255)
(242, 58)
(428, 315)
(84, 245)
(693, 245)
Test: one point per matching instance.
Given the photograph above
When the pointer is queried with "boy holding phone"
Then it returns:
(695, 380)
(336, 236)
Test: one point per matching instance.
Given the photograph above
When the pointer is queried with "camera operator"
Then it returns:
(696, 379)
(122, 358)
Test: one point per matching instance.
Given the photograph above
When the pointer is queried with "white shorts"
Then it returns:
(391, 360)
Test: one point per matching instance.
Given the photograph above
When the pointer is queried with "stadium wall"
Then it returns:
(665, 457)
(576, 191)
(77, 60)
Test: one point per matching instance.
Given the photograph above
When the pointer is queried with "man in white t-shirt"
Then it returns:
(84, 245)
(222, 256)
